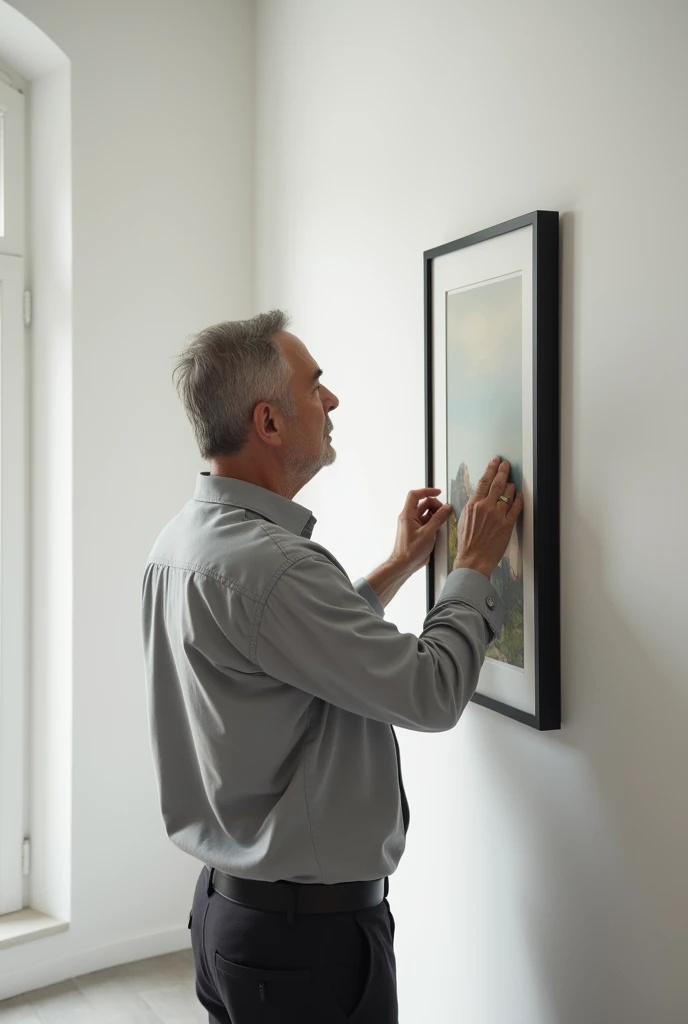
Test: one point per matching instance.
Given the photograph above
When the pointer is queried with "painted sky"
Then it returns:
(484, 365)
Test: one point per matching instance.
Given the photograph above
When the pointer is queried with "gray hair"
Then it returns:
(224, 372)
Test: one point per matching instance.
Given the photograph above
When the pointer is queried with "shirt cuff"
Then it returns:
(472, 588)
(365, 590)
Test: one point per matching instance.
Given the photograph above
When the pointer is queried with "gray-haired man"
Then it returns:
(274, 685)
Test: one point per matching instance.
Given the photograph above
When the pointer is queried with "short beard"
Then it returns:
(303, 467)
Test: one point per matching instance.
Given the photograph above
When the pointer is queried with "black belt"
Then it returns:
(297, 898)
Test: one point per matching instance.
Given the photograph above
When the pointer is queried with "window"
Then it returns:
(13, 499)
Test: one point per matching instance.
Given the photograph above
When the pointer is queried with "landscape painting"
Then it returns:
(485, 418)
(492, 385)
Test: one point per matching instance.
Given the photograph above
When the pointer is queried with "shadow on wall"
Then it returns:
(607, 929)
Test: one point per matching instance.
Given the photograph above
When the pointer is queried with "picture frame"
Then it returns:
(492, 388)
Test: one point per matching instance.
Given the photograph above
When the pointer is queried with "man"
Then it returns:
(274, 685)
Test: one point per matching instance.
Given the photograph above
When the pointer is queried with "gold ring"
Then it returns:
(502, 498)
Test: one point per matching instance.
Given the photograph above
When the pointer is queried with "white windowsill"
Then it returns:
(26, 925)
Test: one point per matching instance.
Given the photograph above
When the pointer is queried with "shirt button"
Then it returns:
(490, 602)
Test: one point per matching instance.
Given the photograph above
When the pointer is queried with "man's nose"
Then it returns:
(331, 400)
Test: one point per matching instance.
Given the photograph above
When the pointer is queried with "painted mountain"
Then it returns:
(507, 578)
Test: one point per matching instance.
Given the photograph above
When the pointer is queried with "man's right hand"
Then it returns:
(486, 523)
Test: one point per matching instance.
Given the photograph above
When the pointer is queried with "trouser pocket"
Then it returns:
(253, 994)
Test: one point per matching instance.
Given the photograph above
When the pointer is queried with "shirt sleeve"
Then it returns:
(364, 588)
(319, 633)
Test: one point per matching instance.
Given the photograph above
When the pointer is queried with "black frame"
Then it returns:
(545, 411)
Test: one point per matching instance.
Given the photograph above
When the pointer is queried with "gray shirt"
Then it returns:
(273, 682)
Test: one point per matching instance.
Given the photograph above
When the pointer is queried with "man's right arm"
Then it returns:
(315, 632)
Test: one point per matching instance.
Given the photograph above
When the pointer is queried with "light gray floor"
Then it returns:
(155, 991)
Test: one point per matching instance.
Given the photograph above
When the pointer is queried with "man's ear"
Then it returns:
(268, 423)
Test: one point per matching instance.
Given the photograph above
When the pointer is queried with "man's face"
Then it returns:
(308, 444)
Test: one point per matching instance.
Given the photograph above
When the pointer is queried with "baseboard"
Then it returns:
(41, 972)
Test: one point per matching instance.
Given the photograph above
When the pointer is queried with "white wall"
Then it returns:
(162, 163)
(544, 879)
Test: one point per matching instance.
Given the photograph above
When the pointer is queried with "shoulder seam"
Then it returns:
(263, 526)
(203, 571)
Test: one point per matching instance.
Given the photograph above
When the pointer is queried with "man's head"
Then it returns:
(252, 392)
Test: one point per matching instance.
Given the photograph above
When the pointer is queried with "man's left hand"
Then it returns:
(420, 519)
(418, 525)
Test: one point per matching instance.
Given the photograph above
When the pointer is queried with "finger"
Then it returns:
(428, 507)
(509, 494)
(486, 479)
(425, 510)
(430, 503)
(438, 518)
(413, 497)
(516, 509)
(498, 485)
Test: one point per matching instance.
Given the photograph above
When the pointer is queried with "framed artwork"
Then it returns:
(492, 388)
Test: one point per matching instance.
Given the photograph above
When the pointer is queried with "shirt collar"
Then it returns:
(226, 490)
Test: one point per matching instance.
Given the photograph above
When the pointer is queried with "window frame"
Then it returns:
(12, 173)
(14, 506)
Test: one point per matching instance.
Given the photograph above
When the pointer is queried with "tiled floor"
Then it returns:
(155, 991)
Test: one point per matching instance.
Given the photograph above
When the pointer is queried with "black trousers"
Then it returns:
(254, 967)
